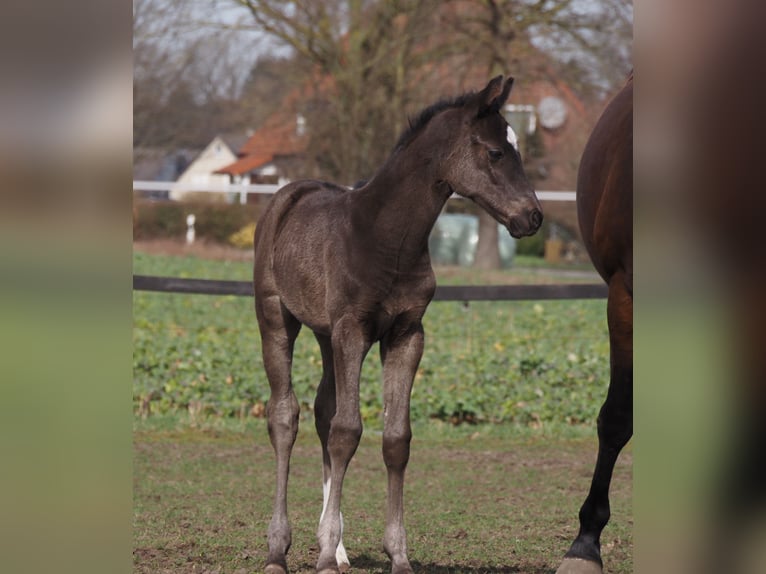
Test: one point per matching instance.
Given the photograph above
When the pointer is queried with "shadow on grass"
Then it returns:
(367, 563)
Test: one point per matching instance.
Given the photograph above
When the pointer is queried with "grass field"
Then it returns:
(485, 499)
(525, 362)
(504, 404)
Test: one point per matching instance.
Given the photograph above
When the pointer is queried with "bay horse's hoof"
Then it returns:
(343, 567)
(274, 569)
(578, 566)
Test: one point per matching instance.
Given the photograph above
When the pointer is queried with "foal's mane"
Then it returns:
(417, 124)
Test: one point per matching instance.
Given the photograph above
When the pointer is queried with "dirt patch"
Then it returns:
(188, 557)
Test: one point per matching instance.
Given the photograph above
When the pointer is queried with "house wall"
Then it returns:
(200, 172)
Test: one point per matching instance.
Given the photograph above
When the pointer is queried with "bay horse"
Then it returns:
(605, 214)
(353, 266)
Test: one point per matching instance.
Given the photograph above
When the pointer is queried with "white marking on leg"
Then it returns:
(340, 552)
(325, 497)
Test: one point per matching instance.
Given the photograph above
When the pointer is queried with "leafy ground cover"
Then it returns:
(480, 498)
(485, 499)
(528, 363)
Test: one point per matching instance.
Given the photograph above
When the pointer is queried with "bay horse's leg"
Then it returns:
(400, 353)
(615, 427)
(279, 330)
(350, 344)
(324, 410)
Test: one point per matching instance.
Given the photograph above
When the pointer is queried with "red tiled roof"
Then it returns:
(277, 137)
(246, 164)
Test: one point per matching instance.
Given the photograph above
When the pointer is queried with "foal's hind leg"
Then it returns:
(400, 352)
(350, 344)
(324, 410)
(279, 330)
(615, 427)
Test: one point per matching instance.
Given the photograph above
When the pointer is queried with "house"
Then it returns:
(200, 174)
(271, 154)
(151, 164)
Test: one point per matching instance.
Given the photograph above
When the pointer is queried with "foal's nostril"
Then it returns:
(536, 218)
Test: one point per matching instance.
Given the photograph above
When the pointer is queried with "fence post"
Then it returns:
(190, 228)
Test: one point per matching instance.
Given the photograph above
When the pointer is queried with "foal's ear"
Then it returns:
(492, 98)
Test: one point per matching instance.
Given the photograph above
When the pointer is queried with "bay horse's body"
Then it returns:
(605, 213)
(353, 266)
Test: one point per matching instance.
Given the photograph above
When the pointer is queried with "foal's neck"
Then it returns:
(399, 206)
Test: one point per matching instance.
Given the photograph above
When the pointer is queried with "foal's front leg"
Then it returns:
(350, 344)
(400, 353)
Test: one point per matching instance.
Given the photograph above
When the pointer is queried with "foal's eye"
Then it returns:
(495, 154)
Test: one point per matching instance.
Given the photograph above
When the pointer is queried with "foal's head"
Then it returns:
(482, 164)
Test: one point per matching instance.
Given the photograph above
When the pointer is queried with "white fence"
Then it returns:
(243, 189)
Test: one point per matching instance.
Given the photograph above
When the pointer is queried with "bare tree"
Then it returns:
(360, 59)
(188, 74)
(592, 37)
(359, 67)
(367, 63)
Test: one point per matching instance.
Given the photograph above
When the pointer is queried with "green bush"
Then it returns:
(158, 220)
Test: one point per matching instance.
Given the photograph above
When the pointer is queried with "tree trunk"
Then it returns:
(487, 248)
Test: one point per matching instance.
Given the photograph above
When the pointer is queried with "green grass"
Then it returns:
(504, 407)
(527, 269)
(530, 261)
(189, 266)
(487, 501)
(526, 363)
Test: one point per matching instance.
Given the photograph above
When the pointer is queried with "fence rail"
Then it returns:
(140, 185)
(443, 292)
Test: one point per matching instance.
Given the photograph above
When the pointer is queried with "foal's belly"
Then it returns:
(319, 303)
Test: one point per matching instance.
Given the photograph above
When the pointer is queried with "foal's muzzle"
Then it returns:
(525, 224)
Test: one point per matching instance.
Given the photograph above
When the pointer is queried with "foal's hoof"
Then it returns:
(341, 567)
(274, 569)
(578, 566)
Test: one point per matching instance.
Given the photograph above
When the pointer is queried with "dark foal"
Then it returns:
(605, 213)
(353, 266)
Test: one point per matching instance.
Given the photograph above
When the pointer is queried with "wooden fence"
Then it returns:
(443, 292)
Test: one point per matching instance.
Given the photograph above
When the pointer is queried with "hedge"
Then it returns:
(214, 222)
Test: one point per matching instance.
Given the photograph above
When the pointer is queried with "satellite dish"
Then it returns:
(552, 112)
